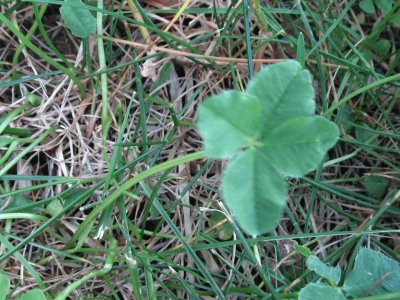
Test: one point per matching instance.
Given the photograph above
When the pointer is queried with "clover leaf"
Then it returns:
(79, 20)
(324, 270)
(320, 291)
(235, 119)
(369, 5)
(373, 273)
(271, 133)
(285, 92)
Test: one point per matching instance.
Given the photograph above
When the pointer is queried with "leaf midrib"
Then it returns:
(229, 122)
(272, 110)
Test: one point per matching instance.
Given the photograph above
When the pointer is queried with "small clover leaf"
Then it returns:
(324, 270)
(79, 20)
(34, 294)
(254, 191)
(228, 122)
(298, 145)
(320, 291)
(271, 133)
(369, 5)
(285, 91)
(373, 274)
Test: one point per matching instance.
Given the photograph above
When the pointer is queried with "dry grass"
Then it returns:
(76, 150)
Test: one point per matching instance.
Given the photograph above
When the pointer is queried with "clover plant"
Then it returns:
(373, 274)
(269, 132)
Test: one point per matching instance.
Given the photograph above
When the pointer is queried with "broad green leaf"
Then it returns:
(285, 91)
(375, 185)
(254, 192)
(228, 122)
(373, 274)
(298, 145)
(79, 20)
(322, 269)
(273, 124)
(315, 291)
(4, 286)
(35, 294)
(368, 6)
(384, 5)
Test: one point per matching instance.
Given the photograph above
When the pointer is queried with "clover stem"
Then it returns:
(256, 252)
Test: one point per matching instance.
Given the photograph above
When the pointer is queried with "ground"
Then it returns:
(102, 118)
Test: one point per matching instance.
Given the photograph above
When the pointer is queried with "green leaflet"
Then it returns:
(384, 5)
(285, 92)
(34, 294)
(322, 269)
(271, 133)
(315, 291)
(79, 20)
(254, 192)
(228, 122)
(369, 5)
(373, 274)
(298, 145)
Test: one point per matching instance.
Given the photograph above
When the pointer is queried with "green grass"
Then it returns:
(102, 122)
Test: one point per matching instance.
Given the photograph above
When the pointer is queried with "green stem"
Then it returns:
(129, 184)
(134, 275)
(103, 76)
(256, 252)
(96, 273)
